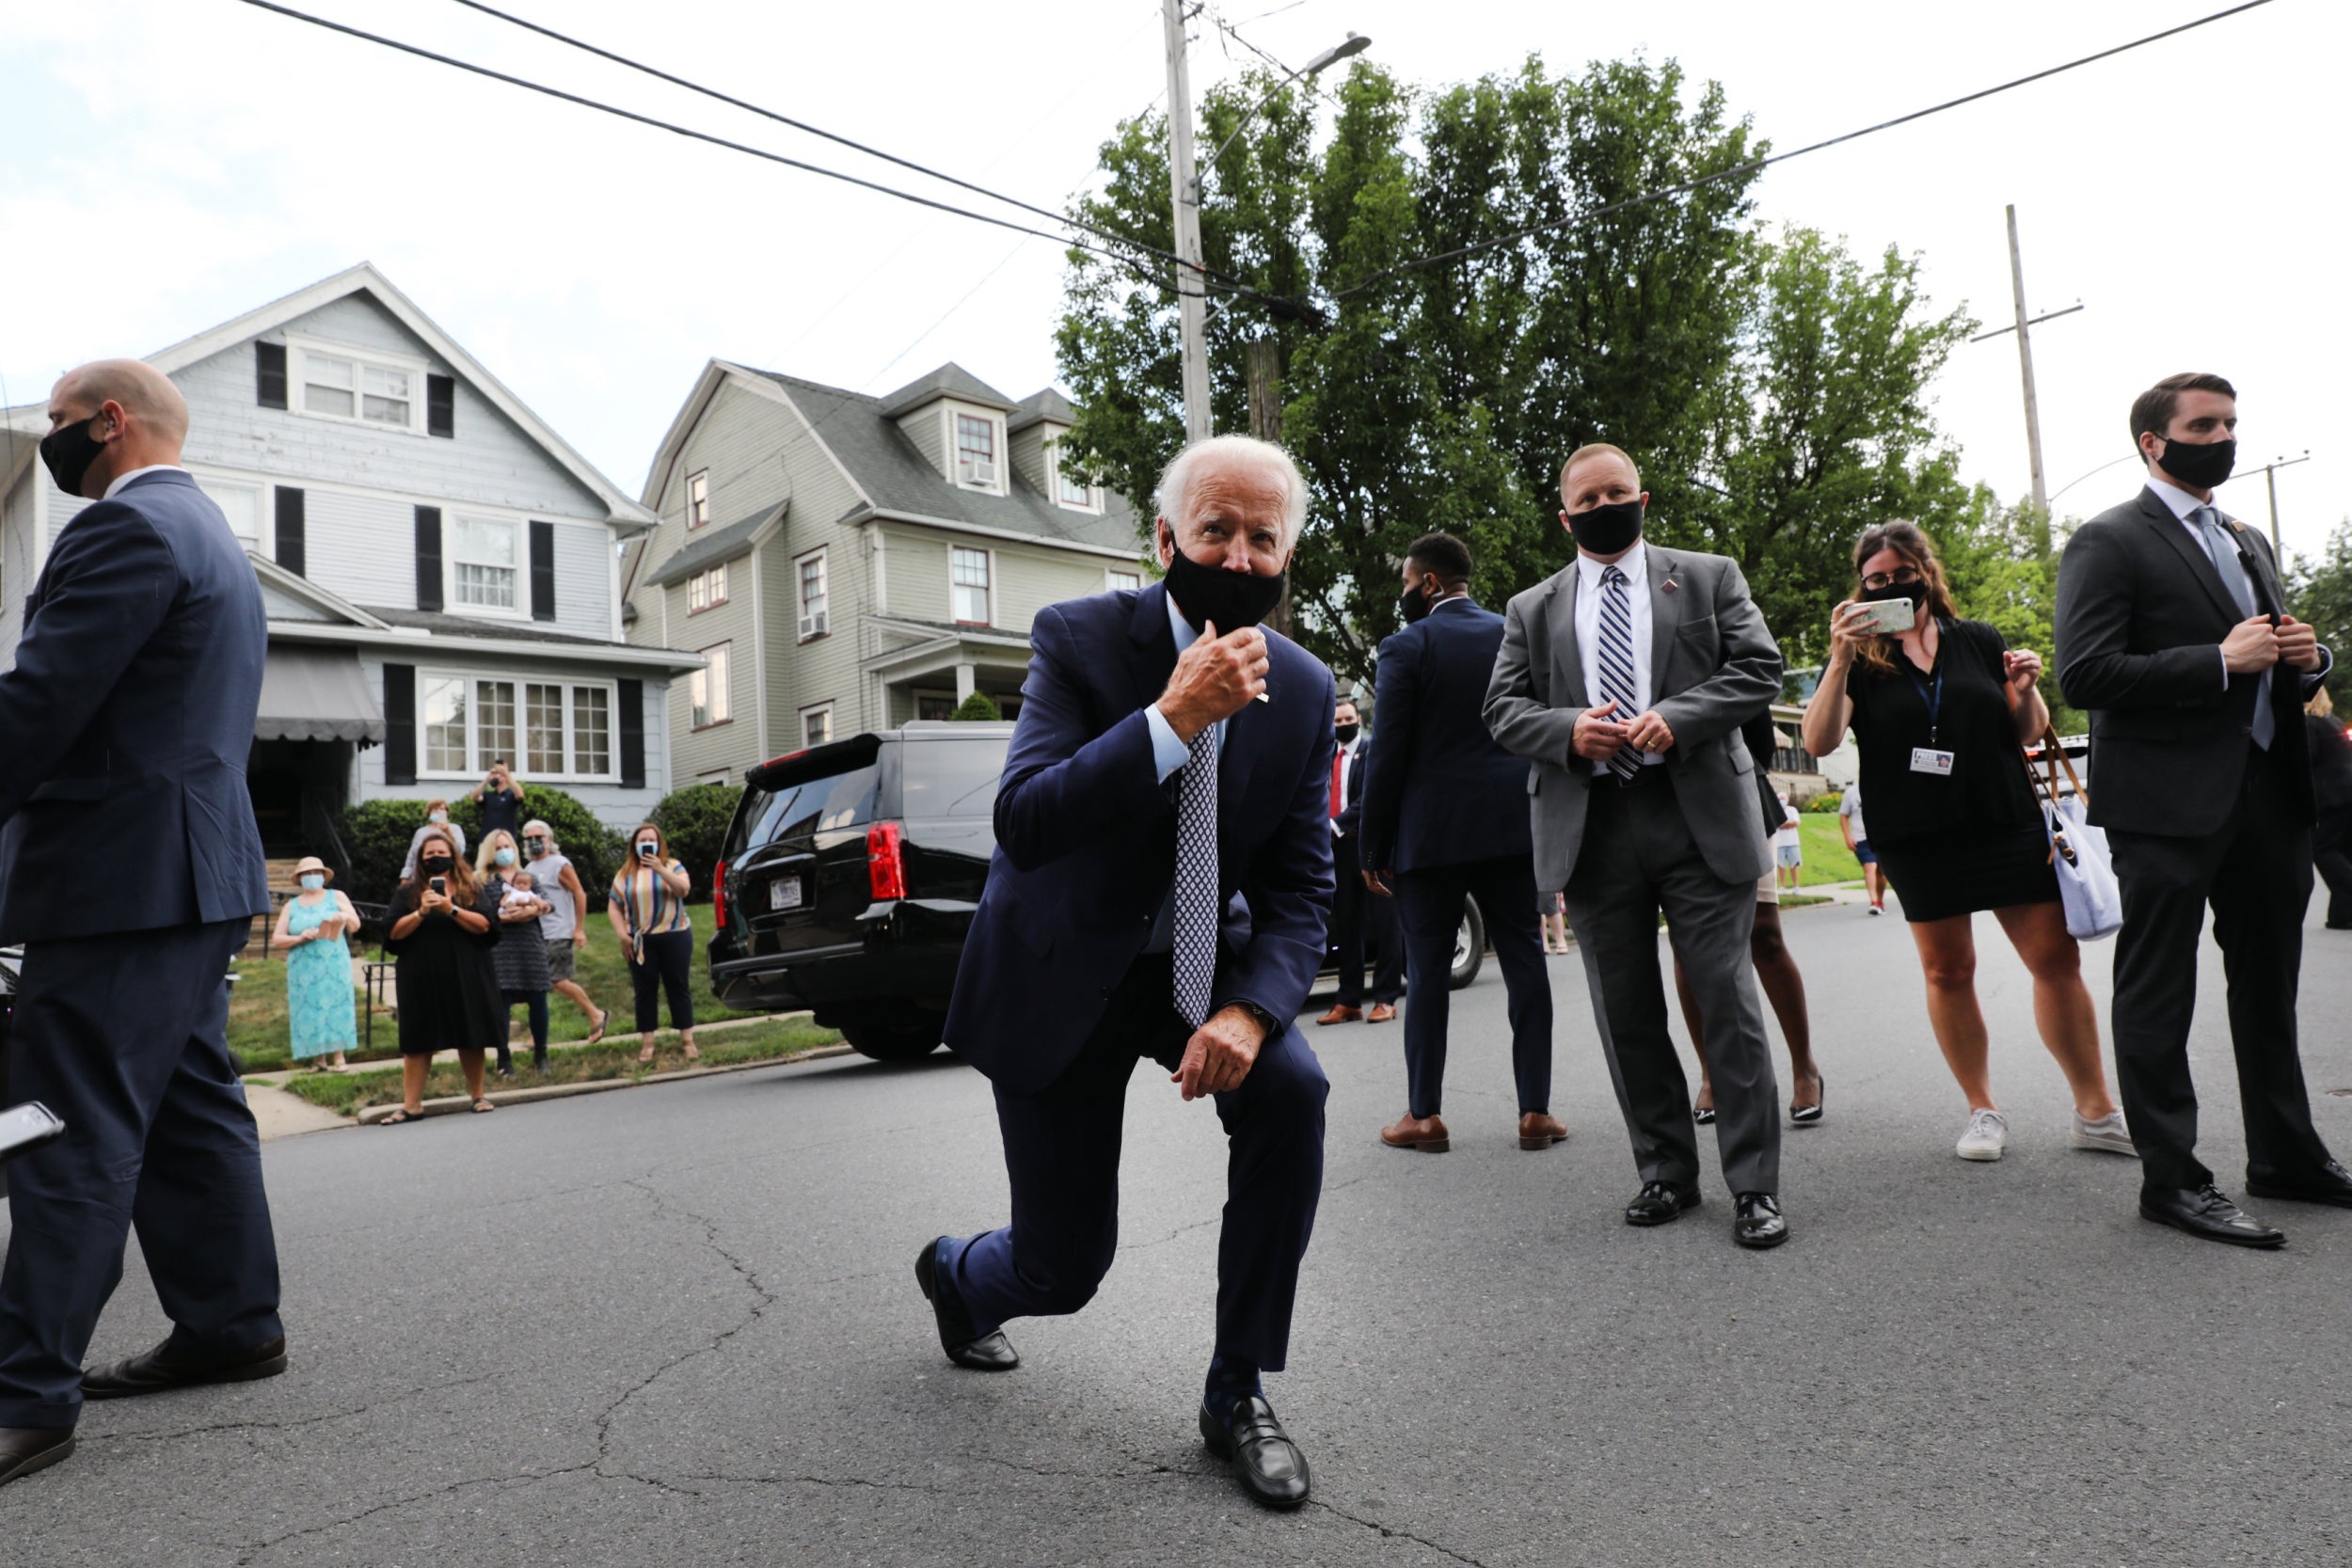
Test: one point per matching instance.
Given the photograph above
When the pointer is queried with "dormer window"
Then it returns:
(976, 450)
(1070, 492)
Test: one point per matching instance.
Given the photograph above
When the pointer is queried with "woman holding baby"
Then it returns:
(521, 964)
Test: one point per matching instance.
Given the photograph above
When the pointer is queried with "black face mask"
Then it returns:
(1412, 604)
(2200, 465)
(434, 867)
(1916, 592)
(1346, 734)
(68, 451)
(1607, 529)
(1211, 595)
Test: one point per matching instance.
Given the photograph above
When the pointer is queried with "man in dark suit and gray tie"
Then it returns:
(131, 870)
(1445, 819)
(2172, 633)
(1624, 680)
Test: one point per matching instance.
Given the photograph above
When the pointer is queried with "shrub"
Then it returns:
(377, 834)
(978, 706)
(695, 819)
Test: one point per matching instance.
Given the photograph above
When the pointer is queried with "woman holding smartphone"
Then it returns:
(441, 941)
(648, 913)
(1939, 706)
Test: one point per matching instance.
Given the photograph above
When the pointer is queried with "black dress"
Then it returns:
(1973, 839)
(449, 993)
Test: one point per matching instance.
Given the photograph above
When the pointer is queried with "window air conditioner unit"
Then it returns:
(978, 470)
(814, 625)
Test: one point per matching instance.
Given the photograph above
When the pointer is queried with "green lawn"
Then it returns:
(1826, 857)
(256, 1007)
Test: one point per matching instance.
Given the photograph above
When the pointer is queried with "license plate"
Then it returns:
(783, 894)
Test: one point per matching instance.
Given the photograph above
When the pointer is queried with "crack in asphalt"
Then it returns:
(291, 1422)
(1390, 1530)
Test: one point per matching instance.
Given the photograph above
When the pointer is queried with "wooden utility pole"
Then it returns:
(2270, 479)
(1191, 298)
(1265, 389)
(2025, 369)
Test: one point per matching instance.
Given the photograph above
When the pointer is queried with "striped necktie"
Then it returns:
(1617, 661)
(1196, 901)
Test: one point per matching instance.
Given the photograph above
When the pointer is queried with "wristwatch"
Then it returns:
(1269, 1026)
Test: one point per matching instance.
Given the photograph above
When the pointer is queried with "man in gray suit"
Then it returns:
(1624, 680)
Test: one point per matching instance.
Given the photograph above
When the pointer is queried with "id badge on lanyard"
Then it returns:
(1930, 758)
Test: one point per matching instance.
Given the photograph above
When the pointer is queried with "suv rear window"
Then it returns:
(813, 805)
(951, 778)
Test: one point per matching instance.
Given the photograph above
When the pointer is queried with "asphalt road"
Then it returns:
(678, 1325)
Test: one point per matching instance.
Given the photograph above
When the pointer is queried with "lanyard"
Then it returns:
(1934, 697)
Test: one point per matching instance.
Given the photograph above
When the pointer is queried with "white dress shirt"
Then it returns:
(1634, 563)
(121, 480)
(2185, 504)
(1168, 750)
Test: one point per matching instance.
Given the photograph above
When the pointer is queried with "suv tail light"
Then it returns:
(885, 866)
(719, 896)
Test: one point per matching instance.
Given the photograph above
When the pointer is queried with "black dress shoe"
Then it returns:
(155, 1371)
(25, 1449)
(2331, 1183)
(1269, 1464)
(1657, 1204)
(1758, 1224)
(2204, 1212)
(981, 1353)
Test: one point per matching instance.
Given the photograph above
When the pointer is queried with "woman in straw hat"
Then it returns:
(312, 928)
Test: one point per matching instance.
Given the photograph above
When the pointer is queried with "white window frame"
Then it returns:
(819, 624)
(693, 522)
(1092, 504)
(453, 525)
(706, 589)
(989, 589)
(1119, 579)
(299, 351)
(522, 681)
(817, 710)
(725, 688)
(1001, 484)
(264, 539)
(934, 694)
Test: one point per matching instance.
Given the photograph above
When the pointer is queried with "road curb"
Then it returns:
(454, 1104)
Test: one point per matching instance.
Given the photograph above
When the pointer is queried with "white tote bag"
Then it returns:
(2078, 853)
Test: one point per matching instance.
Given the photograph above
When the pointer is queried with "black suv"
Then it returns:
(849, 878)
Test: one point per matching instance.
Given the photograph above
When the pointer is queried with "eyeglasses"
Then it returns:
(1901, 576)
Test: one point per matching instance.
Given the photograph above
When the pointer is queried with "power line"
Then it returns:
(1756, 165)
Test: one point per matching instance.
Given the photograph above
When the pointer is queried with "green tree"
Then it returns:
(977, 706)
(2321, 593)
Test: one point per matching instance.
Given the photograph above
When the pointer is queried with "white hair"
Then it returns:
(1242, 451)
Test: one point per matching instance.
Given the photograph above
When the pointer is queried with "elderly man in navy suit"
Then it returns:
(131, 870)
(1160, 887)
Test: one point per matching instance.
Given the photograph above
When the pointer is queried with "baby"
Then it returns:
(518, 893)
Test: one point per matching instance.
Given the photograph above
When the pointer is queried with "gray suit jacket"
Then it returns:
(1713, 667)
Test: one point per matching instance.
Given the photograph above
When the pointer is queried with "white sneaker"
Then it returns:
(2108, 1134)
(1987, 1136)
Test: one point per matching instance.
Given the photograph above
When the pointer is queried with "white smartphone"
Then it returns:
(1887, 617)
(28, 1127)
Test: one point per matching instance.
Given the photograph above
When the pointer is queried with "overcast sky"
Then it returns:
(178, 161)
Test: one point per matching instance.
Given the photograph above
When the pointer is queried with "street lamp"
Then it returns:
(1357, 43)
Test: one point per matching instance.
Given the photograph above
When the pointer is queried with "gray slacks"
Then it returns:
(1639, 860)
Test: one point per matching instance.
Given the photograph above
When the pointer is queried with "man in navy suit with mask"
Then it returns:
(123, 731)
(1160, 888)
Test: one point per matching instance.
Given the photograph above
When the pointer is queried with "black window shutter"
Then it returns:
(542, 571)
(400, 725)
(292, 551)
(632, 734)
(428, 558)
(441, 406)
(269, 375)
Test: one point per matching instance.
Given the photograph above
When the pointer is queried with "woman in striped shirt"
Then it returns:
(648, 909)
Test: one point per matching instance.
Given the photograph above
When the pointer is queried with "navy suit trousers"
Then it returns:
(1432, 916)
(1061, 1152)
(126, 1036)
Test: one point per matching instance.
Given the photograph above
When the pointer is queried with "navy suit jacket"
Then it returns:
(125, 724)
(1441, 790)
(1086, 840)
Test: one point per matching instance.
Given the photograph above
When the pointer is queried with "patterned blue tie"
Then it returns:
(2225, 560)
(1196, 878)
(1616, 662)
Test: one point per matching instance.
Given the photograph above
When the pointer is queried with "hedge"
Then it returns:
(377, 834)
(694, 820)
(978, 706)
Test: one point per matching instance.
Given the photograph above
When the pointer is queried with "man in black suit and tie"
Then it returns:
(1358, 924)
(2172, 633)
(132, 870)
(1445, 818)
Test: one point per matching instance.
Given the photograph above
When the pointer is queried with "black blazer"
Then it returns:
(2141, 613)
(1351, 817)
(1440, 789)
(125, 724)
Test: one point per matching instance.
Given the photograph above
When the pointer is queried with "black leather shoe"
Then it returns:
(2331, 1183)
(1269, 1464)
(1758, 1224)
(155, 1371)
(981, 1353)
(2204, 1212)
(1657, 1204)
(25, 1449)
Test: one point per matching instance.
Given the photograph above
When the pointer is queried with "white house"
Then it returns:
(441, 570)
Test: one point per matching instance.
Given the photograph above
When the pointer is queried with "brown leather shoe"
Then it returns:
(25, 1449)
(1427, 1133)
(1538, 1130)
(1341, 1013)
(1382, 1012)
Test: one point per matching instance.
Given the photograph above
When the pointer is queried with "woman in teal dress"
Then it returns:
(320, 1013)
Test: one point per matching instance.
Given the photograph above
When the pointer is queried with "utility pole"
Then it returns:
(1191, 298)
(2270, 480)
(2025, 369)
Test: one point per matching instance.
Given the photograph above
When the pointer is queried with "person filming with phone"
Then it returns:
(442, 932)
(647, 909)
(1939, 707)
